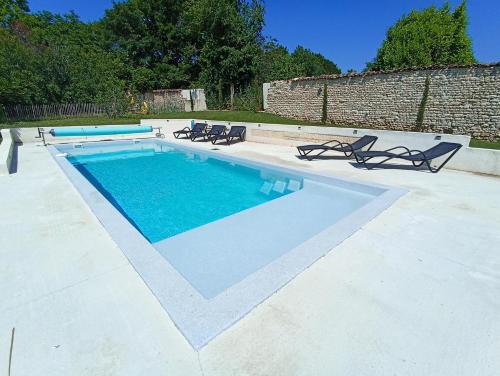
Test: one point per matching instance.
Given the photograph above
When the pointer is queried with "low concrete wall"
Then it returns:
(265, 92)
(482, 161)
(6, 150)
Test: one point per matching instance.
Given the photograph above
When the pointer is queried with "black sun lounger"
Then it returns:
(187, 131)
(237, 132)
(214, 131)
(416, 157)
(334, 145)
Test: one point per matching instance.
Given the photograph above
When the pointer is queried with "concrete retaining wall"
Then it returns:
(460, 100)
(6, 151)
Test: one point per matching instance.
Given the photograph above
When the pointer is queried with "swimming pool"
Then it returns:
(214, 235)
(164, 192)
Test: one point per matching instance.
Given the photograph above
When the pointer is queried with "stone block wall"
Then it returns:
(168, 99)
(461, 100)
(178, 100)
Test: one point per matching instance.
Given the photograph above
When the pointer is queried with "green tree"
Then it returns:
(276, 63)
(225, 37)
(48, 58)
(68, 57)
(422, 38)
(148, 34)
(20, 80)
(141, 79)
(312, 64)
(461, 45)
(10, 10)
(141, 45)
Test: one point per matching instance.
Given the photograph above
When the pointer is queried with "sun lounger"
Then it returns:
(337, 146)
(187, 131)
(237, 132)
(214, 132)
(416, 157)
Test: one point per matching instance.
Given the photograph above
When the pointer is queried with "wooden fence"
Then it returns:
(156, 102)
(44, 111)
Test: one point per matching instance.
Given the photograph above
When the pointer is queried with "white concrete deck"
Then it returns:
(415, 292)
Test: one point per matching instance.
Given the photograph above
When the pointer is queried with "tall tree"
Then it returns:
(11, 10)
(312, 64)
(49, 58)
(461, 45)
(147, 34)
(276, 63)
(422, 38)
(141, 45)
(226, 41)
(20, 80)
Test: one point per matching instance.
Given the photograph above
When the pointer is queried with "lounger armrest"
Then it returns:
(218, 136)
(346, 145)
(329, 142)
(416, 152)
(407, 151)
(223, 133)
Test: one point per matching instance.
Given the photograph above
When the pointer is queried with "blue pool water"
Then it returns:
(164, 192)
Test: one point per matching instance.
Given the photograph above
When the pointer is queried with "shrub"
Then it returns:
(112, 97)
(423, 103)
(247, 100)
(324, 115)
(3, 115)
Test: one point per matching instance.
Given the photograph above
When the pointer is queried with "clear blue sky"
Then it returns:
(347, 32)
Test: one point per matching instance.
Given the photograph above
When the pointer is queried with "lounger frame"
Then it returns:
(336, 146)
(188, 131)
(235, 133)
(407, 155)
(214, 131)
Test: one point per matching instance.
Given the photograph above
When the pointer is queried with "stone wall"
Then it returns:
(460, 100)
(168, 99)
(178, 100)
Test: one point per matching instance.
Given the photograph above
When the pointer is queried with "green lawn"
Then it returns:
(485, 144)
(238, 116)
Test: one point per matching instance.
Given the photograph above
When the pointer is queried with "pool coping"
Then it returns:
(200, 320)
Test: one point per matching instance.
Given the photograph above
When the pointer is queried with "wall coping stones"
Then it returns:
(401, 70)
